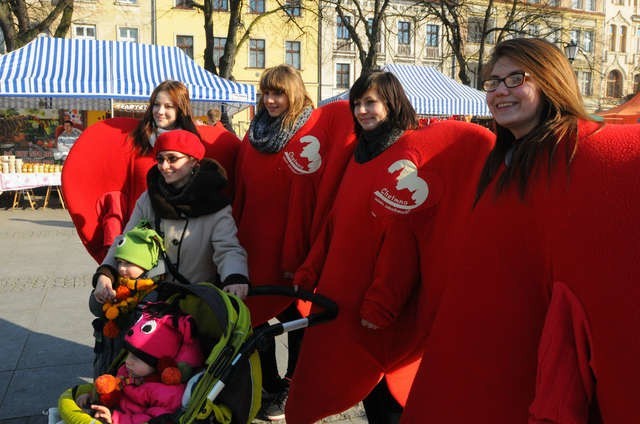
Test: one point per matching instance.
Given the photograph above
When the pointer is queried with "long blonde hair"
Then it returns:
(287, 79)
(562, 108)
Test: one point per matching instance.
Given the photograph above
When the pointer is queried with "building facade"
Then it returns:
(621, 54)
(313, 37)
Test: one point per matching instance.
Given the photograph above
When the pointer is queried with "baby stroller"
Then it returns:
(229, 388)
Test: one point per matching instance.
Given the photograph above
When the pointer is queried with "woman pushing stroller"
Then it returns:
(185, 204)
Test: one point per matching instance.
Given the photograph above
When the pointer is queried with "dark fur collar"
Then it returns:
(201, 196)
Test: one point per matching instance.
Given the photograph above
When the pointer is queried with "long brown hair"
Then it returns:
(286, 79)
(179, 94)
(400, 112)
(562, 108)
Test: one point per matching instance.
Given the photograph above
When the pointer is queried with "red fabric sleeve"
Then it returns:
(111, 215)
(296, 243)
(308, 273)
(565, 381)
(396, 274)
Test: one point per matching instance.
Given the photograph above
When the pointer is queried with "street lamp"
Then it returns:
(570, 50)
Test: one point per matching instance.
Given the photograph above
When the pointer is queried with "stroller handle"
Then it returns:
(329, 308)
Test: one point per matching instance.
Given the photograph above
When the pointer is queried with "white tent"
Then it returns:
(433, 93)
(92, 74)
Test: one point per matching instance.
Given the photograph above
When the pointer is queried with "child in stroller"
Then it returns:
(228, 390)
(162, 352)
(139, 267)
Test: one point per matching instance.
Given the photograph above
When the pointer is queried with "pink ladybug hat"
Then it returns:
(170, 336)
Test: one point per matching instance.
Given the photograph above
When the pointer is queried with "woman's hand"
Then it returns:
(240, 290)
(104, 289)
(369, 325)
(102, 413)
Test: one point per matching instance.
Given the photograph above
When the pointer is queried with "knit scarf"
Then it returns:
(200, 196)
(373, 142)
(267, 135)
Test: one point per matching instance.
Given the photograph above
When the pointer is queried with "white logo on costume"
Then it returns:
(407, 182)
(304, 157)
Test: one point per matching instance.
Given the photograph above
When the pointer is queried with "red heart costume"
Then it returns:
(378, 256)
(104, 175)
(575, 236)
(282, 199)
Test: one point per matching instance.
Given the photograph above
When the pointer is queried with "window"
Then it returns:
(343, 75)
(576, 4)
(256, 6)
(220, 5)
(184, 4)
(185, 43)
(404, 38)
(533, 30)
(474, 30)
(218, 49)
(127, 1)
(256, 53)
(590, 5)
(636, 83)
(574, 35)
(84, 32)
(584, 80)
(583, 38)
(623, 38)
(554, 35)
(128, 34)
(342, 33)
(433, 35)
(292, 7)
(612, 37)
(587, 41)
(614, 84)
(404, 32)
(292, 53)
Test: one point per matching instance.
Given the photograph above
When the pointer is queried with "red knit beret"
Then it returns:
(180, 141)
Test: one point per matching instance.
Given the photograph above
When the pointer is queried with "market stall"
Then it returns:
(432, 93)
(22, 178)
(626, 113)
(58, 73)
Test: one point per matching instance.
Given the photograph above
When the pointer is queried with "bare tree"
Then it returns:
(21, 21)
(364, 29)
(239, 30)
(471, 27)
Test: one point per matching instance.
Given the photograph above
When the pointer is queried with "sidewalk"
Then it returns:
(45, 325)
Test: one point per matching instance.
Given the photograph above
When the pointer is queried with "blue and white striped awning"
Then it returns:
(432, 93)
(90, 74)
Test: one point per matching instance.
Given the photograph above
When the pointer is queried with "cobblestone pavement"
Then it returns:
(44, 322)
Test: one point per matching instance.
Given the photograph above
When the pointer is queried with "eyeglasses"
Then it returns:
(510, 81)
(171, 159)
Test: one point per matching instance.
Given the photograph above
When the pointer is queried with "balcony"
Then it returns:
(432, 53)
(404, 49)
(344, 46)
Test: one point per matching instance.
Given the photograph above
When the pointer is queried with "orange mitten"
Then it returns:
(108, 388)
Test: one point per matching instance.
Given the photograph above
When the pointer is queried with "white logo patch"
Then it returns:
(410, 190)
(304, 157)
